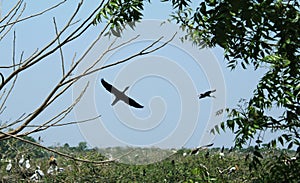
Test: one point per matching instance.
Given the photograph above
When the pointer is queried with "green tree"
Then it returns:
(258, 33)
(261, 33)
(82, 146)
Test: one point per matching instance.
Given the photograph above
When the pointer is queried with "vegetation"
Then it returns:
(206, 166)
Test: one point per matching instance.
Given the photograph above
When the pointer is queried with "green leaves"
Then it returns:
(178, 4)
(119, 13)
(248, 31)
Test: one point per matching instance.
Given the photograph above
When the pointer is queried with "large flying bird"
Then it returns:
(120, 95)
(206, 94)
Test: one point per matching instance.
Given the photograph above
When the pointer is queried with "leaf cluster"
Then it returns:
(119, 13)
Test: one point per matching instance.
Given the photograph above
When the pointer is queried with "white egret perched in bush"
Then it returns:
(221, 154)
(21, 161)
(233, 169)
(39, 171)
(9, 166)
(27, 164)
(38, 174)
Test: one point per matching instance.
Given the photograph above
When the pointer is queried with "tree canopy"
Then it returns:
(261, 33)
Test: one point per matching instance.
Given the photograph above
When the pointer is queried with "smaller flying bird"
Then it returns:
(207, 94)
(196, 150)
(120, 95)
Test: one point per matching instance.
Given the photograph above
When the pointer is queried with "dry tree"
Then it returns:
(73, 29)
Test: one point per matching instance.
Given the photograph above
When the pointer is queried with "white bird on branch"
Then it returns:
(233, 169)
(221, 154)
(38, 174)
(9, 166)
(27, 164)
(21, 161)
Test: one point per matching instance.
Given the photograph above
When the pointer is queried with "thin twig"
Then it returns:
(34, 15)
(11, 26)
(11, 10)
(63, 154)
(9, 92)
(34, 59)
(63, 114)
(142, 52)
(60, 49)
(14, 51)
(68, 123)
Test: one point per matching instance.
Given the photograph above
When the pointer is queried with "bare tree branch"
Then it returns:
(11, 26)
(20, 119)
(31, 16)
(140, 53)
(63, 154)
(60, 49)
(39, 56)
(66, 124)
(8, 93)
(62, 114)
(18, 4)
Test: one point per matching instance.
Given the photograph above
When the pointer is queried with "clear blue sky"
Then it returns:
(34, 84)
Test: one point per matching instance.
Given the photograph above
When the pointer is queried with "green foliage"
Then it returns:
(10, 148)
(119, 13)
(179, 4)
(261, 33)
(248, 31)
(277, 166)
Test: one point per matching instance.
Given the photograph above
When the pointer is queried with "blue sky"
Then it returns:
(34, 84)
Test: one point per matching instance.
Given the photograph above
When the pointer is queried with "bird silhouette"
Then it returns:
(207, 94)
(196, 150)
(120, 95)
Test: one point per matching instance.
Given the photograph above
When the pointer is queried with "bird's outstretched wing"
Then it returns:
(133, 103)
(120, 95)
(195, 151)
(207, 94)
(213, 91)
(108, 86)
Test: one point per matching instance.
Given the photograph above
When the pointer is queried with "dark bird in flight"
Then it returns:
(120, 95)
(207, 94)
(196, 150)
